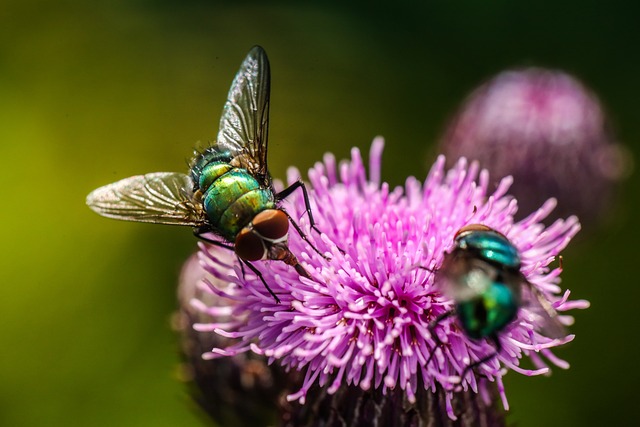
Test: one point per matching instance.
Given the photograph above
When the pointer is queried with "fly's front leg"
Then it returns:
(201, 231)
(257, 273)
(285, 193)
(290, 189)
(304, 236)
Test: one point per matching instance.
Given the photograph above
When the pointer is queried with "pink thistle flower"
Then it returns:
(366, 320)
(549, 132)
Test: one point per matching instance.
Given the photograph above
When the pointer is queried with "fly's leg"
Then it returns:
(304, 236)
(434, 336)
(290, 189)
(488, 357)
(284, 194)
(199, 232)
(257, 273)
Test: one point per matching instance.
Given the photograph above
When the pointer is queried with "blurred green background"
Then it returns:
(93, 92)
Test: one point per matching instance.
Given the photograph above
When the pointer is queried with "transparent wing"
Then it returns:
(244, 125)
(463, 277)
(161, 198)
(546, 316)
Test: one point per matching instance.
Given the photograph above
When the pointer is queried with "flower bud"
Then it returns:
(549, 132)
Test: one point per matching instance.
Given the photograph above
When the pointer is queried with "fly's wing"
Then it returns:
(547, 316)
(462, 277)
(244, 125)
(161, 198)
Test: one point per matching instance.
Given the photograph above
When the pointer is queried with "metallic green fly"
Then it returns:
(482, 275)
(228, 191)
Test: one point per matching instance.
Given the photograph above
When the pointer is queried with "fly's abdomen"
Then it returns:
(488, 312)
(233, 199)
(211, 172)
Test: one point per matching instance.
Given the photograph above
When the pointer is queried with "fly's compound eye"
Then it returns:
(249, 246)
(272, 224)
(472, 227)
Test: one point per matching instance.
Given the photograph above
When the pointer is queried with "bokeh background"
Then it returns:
(91, 92)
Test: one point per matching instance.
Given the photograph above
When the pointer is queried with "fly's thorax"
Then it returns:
(490, 246)
(212, 155)
(233, 200)
(265, 237)
(489, 312)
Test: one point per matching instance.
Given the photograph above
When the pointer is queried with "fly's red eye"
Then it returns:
(472, 227)
(249, 246)
(271, 224)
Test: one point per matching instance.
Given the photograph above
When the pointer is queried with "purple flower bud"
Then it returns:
(546, 130)
(367, 317)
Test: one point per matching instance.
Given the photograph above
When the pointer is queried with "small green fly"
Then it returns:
(229, 191)
(482, 275)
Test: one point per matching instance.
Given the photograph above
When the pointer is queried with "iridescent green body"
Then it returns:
(228, 191)
(489, 311)
(491, 247)
(232, 197)
(489, 282)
